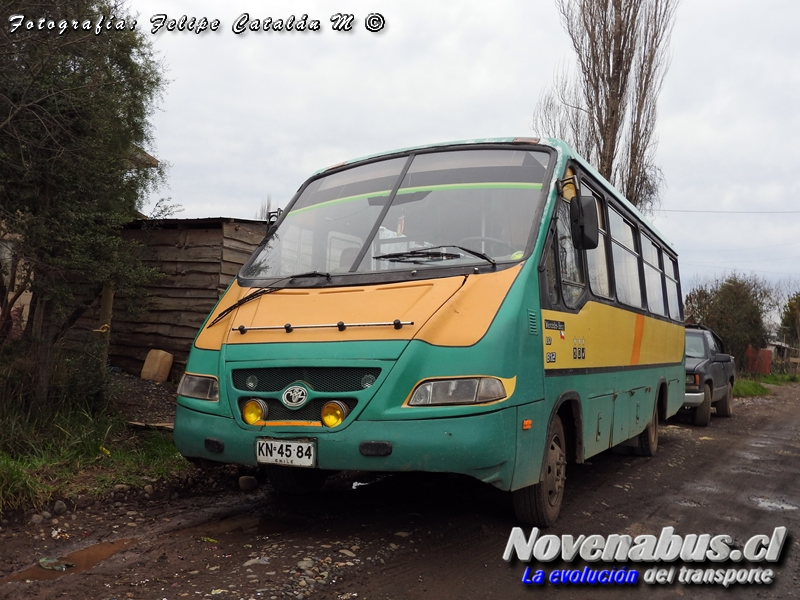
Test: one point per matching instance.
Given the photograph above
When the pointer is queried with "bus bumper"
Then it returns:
(482, 446)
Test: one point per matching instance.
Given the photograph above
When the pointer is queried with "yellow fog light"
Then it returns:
(334, 412)
(254, 410)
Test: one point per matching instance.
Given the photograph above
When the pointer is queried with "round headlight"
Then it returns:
(334, 412)
(254, 410)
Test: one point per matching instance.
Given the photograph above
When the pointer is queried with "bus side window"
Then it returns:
(673, 298)
(597, 261)
(653, 276)
(570, 260)
(626, 260)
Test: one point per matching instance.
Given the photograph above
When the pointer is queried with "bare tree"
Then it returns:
(266, 207)
(607, 111)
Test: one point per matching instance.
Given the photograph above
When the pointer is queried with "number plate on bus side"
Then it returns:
(293, 453)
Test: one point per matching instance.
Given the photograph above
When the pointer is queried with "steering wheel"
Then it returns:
(501, 244)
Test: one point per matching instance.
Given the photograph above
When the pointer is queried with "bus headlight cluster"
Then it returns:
(474, 390)
(199, 386)
(254, 410)
(334, 413)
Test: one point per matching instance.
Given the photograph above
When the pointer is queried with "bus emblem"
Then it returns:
(295, 396)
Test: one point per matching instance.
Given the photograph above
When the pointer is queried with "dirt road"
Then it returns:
(415, 536)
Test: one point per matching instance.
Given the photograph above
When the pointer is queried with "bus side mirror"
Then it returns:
(583, 221)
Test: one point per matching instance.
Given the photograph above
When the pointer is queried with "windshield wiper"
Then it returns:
(310, 274)
(244, 300)
(429, 253)
(261, 291)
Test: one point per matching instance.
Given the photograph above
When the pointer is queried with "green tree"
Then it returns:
(736, 308)
(74, 126)
(790, 320)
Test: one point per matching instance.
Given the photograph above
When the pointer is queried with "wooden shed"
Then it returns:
(199, 259)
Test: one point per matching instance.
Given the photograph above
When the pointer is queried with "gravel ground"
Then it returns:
(143, 401)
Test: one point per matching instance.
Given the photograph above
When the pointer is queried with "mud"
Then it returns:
(437, 536)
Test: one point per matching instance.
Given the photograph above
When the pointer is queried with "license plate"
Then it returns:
(286, 452)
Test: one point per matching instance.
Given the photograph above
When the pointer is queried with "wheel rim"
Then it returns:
(556, 463)
(652, 430)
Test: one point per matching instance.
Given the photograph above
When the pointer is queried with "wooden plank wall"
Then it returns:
(199, 264)
(238, 242)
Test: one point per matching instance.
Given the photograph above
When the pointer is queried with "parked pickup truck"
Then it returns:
(710, 374)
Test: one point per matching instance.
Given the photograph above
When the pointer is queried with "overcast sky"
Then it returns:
(253, 115)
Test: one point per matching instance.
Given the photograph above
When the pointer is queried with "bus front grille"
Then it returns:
(320, 379)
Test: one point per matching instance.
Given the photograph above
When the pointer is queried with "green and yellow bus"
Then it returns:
(488, 307)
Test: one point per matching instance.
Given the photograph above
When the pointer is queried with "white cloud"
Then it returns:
(255, 114)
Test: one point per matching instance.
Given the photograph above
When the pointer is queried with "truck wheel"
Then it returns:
(539, 504)
(648, 439)
(702, 414)
(296, 481)
(725, 406)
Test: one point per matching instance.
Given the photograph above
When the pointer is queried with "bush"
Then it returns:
(75, 410)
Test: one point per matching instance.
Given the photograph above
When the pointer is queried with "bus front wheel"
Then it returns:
(539, 504)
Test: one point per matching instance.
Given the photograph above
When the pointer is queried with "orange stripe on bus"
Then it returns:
(637, 339)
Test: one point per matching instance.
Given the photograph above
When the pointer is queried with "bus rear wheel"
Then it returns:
(539, 504)
(647, 442)
(296, 481)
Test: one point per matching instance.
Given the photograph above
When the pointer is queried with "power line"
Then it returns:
(770, 259)
(742, 249)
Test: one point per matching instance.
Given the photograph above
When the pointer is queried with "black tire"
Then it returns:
(296, 481)
(647, 442)
(702, 414)
(725, 406)
(539, 504)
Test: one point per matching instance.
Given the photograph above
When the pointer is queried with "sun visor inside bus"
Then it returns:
(401, 198)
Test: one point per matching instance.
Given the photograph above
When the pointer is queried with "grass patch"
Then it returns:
(65, 470)
(748, 387)
(71, 442)
(138, 459)
(20, 484)
(779, 378)
(77, 446)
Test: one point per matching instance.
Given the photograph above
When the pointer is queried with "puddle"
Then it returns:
(769, 504)
(747, 470)
(83, 560)
(750, 456)
(761, 444)
(708, 489)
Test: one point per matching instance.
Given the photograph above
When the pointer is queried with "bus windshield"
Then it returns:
(452, 208)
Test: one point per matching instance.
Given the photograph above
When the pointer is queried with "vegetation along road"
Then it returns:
(415, 536)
